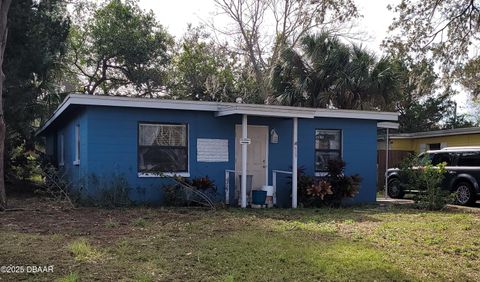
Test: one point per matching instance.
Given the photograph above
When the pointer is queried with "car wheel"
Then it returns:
(394, 189)
(464, 194)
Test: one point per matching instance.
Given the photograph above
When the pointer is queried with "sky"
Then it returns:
(175, 15)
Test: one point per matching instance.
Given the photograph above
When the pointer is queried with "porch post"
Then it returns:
(243, 188)
(294, 162)
(387, 150)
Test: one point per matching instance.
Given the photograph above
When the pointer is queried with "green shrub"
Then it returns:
(419, 174)
(329, 190)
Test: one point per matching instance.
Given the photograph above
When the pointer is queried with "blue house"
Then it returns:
(238, 146)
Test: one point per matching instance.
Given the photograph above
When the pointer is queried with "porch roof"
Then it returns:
(219, 108)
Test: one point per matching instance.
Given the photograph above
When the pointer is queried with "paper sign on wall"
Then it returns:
(212, 150)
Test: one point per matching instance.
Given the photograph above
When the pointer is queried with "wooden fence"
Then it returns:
(395, 158)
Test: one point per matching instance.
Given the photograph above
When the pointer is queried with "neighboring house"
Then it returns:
(403, 144)
(94, 139)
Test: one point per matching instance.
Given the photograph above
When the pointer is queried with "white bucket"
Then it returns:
(269, 190)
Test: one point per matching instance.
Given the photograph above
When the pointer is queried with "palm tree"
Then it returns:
(325, 72)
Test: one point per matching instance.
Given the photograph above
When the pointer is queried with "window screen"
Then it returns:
(162, 148)
(328, 146)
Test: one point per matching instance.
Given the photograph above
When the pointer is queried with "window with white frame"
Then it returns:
(77, 145)
(328, 146)
(61, 159)
(162, 148)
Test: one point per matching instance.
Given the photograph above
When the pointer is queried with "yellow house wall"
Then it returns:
(451, 141)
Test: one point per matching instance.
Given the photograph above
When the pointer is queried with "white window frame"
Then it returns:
(141, 174)
(77, 145)
(61, 161)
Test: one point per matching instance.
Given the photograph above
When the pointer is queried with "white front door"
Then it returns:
(257, 157)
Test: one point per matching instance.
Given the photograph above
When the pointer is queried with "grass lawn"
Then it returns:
(381, 243)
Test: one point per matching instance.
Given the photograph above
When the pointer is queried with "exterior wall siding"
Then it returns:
(451, 141)
(110, 149)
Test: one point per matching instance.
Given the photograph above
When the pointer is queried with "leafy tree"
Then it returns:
(121, 50)
(260, 42)
(33, 55)
(443, 30)
(4, 7)
(328, 72)
(202, 70)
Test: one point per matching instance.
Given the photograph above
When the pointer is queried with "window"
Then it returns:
(469, 159)
(328, 146)
(162, 148)
(61, 160)
(434, 146)
(77, 145)
(439, 158)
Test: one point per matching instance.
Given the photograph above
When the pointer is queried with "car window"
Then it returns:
(469, 159)
(439, 158)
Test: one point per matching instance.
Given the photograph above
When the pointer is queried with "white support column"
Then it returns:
(294, 162)
(243, 188)
(387, 149)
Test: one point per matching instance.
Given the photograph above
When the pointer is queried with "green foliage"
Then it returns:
(122, 49)
(445, 31)
(202, 70)
(419, 174)
(328, 72)
(37, 32)
(327, 190)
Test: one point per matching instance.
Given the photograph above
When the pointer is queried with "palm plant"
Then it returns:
(325, 72)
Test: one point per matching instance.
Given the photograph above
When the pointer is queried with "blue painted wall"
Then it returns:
(109, 149)
(76, 174)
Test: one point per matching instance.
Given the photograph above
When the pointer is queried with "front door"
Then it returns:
(257, 156)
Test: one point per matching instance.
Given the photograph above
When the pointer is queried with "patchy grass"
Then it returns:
(71, 277)
(141, 244)
(82, 250)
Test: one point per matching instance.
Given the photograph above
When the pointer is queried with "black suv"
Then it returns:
(462, 176)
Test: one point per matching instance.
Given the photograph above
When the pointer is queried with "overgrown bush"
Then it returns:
(329, 190)
(113, 190)
(188, 192)
(419, 174)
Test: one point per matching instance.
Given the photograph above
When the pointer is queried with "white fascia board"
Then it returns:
(113, 101)
(143, 103)
(389, 125)
(264, 113)
(385, 116)
(413, 136)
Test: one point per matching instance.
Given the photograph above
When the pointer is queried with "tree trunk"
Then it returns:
(4, 6)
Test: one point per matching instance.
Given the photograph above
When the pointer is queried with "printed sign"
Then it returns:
(212, 150)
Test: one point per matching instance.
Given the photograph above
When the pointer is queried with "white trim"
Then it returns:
(354, 114)
(243, 184)
(294, 162)
(165, 174)
(77, 145)
(267, 139)
(391, 125)
(220, 109)
(62, 150)
(263, 112)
